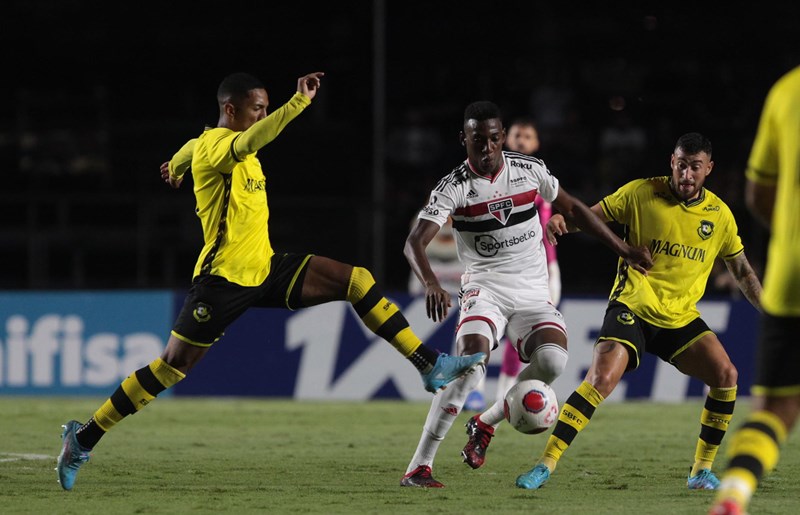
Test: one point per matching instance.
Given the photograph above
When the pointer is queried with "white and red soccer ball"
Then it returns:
(531, 406)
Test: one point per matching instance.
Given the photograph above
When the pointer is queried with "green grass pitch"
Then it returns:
(278, 456)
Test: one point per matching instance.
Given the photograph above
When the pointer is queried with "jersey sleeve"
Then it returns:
(548, 183)
(762, 166)
(733, 245)
(439, 207)
(617, 206)
(182, 160)
(267, 129)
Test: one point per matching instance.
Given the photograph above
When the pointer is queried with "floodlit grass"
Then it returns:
(277, 456)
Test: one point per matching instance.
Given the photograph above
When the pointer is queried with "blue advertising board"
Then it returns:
(325, 352)
(83, 343)
(86, 343)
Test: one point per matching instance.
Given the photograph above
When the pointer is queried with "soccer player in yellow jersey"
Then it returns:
(772, 193)
(685, 227)
(238, 269)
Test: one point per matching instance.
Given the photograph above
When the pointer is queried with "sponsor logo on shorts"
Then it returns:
(472, 292)
(625, 318)
(466, 306)
(202, 312)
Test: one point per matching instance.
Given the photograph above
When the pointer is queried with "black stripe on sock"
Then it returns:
(389, 329)
(764, 428)
(122, 403)
(370, 300)
(149, 381)
(711, 435)
(724, 407)
(578, 402)
(747, 462)
(565, 432)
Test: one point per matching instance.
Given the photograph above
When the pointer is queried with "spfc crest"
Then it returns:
(501, 209)
(706, 229)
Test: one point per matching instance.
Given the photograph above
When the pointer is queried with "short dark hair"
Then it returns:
(694, 143)
(236, 87)
(481, 110)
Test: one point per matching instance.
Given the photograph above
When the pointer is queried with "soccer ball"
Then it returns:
(531, 406)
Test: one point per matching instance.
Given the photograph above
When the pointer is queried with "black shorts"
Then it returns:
(621, 325)
(213, 302)
(778, 356)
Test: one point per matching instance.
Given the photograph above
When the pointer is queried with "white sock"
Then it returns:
(493, 414)
(547, 363)
(445, 407)
(504, 382)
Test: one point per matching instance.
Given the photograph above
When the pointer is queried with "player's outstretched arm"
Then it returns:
(593, 221)
(172, 171)
(264, 131)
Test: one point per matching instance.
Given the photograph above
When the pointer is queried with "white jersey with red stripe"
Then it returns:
(495, 219)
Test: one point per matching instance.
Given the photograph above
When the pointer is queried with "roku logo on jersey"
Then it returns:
(487, 245)
(520, 164)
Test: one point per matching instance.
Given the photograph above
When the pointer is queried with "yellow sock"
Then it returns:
(753, 452)
(714, 421)
(136, 392)
(379, 314)
(575, 415)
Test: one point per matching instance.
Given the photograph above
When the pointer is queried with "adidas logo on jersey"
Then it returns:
(471, 194)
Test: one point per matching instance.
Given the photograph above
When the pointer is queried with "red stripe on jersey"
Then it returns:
(520, 199)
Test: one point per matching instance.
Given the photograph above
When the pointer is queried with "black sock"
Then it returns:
(89, 434)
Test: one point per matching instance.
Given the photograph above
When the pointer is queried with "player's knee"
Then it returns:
(727, 376)
(548, 362)
(552, 360)
(361, 281)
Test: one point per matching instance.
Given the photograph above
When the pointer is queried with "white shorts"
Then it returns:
(497, 305)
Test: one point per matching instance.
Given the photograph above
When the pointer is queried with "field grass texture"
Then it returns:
(230, 455)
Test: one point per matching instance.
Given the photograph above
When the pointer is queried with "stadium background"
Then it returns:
(98, 95)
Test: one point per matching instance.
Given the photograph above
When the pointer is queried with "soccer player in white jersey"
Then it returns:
(504, 290)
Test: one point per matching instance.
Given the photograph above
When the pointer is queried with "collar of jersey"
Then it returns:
(688, 203)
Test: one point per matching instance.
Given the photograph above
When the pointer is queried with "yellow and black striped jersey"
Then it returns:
(684, 238)
(775, 159)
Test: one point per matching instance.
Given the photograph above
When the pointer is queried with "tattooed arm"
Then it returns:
(746, 278)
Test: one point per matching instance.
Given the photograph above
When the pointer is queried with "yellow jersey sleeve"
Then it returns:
(266, 130)
(182, 160)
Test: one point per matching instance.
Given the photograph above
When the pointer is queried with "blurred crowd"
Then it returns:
(83, 206)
